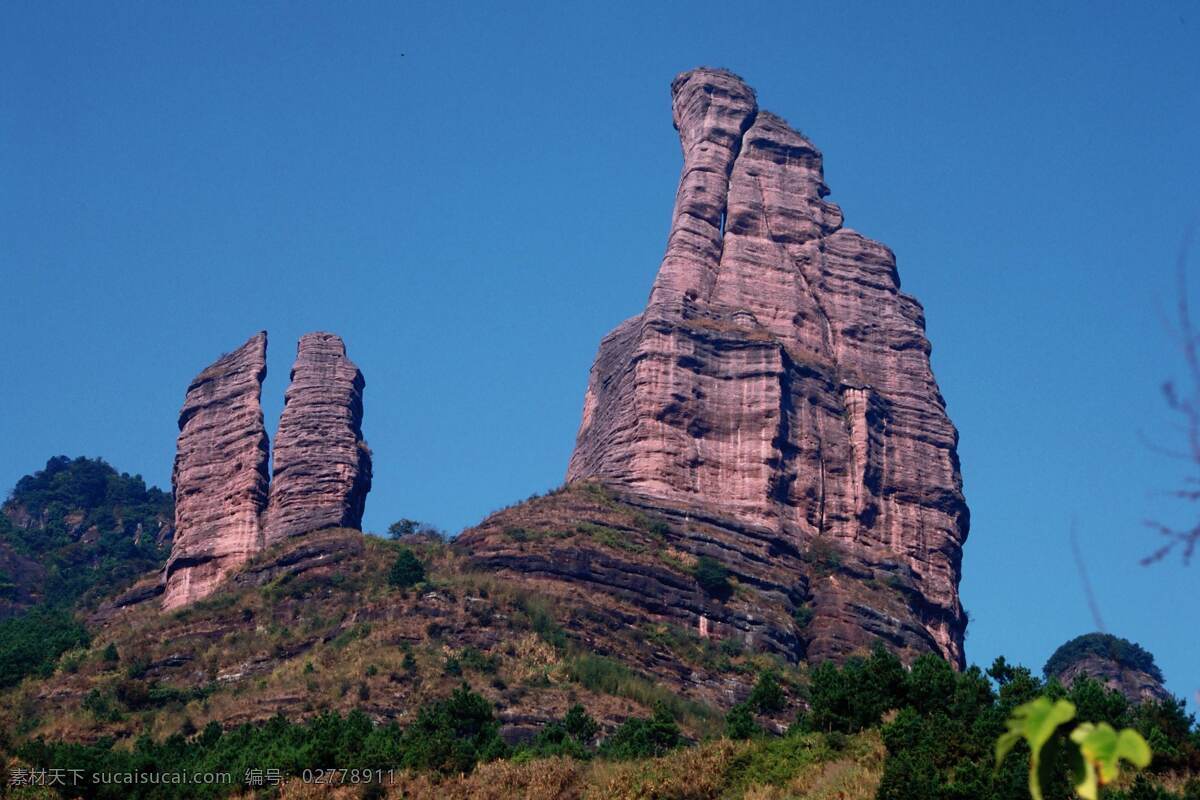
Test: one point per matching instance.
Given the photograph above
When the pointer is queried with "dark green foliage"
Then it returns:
(110, 654)
(1103, 645)
(713, 578)
(449, 736)
(92, 529)
(767, 695)
(739, 723)
(572, 736)
(407, 570)
(31, 643)
(454, 734)
(1170, 731)
(857, 695)
(1144, 789)
(941, 739)
(643, 738)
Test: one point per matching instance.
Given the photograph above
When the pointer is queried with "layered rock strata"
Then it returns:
(780, 380)
(322, 467)
(220, 476)
(227, 507)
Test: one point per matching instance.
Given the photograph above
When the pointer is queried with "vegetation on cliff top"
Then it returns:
(92, 528)
(1103, 645)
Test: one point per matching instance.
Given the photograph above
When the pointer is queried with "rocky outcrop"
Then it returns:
(779, 380)
(1117, 663)
(227, 507)
(220, 476)
(21, 580)
(322, 466)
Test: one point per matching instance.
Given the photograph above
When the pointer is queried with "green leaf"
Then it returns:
(1102, 748)
(1036, 722)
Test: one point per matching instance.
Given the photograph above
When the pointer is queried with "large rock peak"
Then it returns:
(227, 508)
(220, 474)
(322, 467)
(780, 379)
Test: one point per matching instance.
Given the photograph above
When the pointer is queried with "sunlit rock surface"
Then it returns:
(779, 380)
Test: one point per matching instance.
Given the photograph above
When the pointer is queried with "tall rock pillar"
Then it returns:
(779, 378)
(220, 475)
(322, 466)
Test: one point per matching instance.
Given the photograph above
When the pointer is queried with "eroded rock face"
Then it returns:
(779, 379)
(1117, 663)
(220, 476)
(1137, 685)
(322, 467)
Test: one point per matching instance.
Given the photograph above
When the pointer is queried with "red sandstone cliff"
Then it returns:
(227, 508)
(322, 467)
(220, 474)
(779, 379)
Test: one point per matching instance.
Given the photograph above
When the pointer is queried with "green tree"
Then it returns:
(407, 570)
(713, 578)
(767, 695)
(739, 723)
(643, 738)
(403, 527)
(453, 735)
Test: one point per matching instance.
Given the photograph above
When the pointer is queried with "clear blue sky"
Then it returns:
(472, 196)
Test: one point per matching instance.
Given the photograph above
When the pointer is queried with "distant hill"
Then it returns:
(1117, 663)
(77, 530)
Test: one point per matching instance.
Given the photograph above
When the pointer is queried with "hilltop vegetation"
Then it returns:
(1104, 645)
(88, 530)
(91, 528)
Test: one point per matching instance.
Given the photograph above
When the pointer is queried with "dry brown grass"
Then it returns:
(711, 771)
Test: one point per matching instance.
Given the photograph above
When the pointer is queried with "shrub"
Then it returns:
(572, 736)
(856, 696)
(739, 723)
(713, 578)
(767, 695)
(643, 738)
(453, 735)
(407, 570)
(31, 643)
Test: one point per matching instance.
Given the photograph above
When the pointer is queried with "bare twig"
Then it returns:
(1087, 581)
(1185, 402)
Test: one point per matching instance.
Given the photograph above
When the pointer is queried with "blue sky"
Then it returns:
(473, 195)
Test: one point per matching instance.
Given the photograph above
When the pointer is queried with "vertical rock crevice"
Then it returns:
(227, 506)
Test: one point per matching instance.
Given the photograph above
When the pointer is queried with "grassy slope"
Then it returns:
(339, 637)
(769, 769)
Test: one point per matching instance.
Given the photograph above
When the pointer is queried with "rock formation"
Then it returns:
(227, 508)
(322, 467)
(1117, 663)
(220, 476)
(779, 381)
